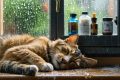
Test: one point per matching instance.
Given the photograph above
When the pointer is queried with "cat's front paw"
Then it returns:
(47, 67)
(31, 70)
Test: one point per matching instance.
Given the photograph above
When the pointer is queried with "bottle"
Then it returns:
(84, 24)
(94, 26)
(107, 26)
(73, 24)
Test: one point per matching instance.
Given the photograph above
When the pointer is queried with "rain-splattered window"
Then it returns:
(103, 8)
(26, 16)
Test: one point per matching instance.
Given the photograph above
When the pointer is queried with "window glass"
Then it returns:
(103, 8)
(26, 16)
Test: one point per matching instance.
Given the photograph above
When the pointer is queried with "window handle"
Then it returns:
(57, 6)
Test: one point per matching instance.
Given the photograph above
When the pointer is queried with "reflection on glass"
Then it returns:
(26, 16)
(103, 8)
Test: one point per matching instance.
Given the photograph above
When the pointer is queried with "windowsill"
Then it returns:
(78, 74)
(99, 34)
(98, 40)
(101, 73)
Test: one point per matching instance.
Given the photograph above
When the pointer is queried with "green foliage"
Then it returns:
(27, 15)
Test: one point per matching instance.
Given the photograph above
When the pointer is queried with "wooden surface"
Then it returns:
(106, 73)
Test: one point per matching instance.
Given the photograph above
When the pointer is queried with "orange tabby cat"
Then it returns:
(24, 54)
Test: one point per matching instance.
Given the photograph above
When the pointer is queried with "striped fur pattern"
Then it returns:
(13, 44)
(18, 68)
(25, 54)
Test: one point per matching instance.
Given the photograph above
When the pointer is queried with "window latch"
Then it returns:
(57, 6)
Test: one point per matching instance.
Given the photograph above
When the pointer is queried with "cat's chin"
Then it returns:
(56, 64)
(64, 66)
(60, 66)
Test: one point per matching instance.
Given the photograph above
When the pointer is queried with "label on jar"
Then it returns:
(94, 29)
(72, 28)
(84, 27)
(107, 27)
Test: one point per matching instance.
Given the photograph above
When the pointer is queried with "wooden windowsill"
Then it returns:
(101, 73)
(106, 73)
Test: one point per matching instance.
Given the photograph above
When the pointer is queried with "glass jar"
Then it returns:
(84, 24)
(73, 24)
(107, 26)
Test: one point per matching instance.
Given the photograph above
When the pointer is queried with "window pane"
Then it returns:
(103, 8)
(26, 16)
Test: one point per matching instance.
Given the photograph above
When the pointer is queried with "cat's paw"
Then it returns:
(31, 70)
(47, 67)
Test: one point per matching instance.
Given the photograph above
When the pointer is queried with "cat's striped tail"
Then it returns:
(18, 68)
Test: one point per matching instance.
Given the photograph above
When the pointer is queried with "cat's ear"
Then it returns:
(72, 39)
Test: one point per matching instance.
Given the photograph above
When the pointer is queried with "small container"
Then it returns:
(84, 24)
(107, 26)
(73, 24)
(94, 25)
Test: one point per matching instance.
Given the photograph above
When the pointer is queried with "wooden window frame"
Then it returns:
(92, 45)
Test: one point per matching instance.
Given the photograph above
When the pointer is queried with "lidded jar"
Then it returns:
(84, 24)
(107, 26)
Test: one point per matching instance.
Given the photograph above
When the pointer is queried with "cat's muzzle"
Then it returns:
(78, 52)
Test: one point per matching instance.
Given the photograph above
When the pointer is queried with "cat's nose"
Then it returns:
(78, 52)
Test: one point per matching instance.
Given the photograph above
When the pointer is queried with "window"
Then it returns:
(26, 16)
(92, 45)
(103, 8)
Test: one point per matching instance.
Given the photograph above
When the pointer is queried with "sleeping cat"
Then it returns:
(25, 54)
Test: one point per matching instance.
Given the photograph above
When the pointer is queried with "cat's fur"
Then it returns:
(24, 54)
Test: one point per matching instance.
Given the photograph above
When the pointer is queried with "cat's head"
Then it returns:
(65, 54)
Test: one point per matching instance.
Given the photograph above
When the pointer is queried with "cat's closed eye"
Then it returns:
(65, 50)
